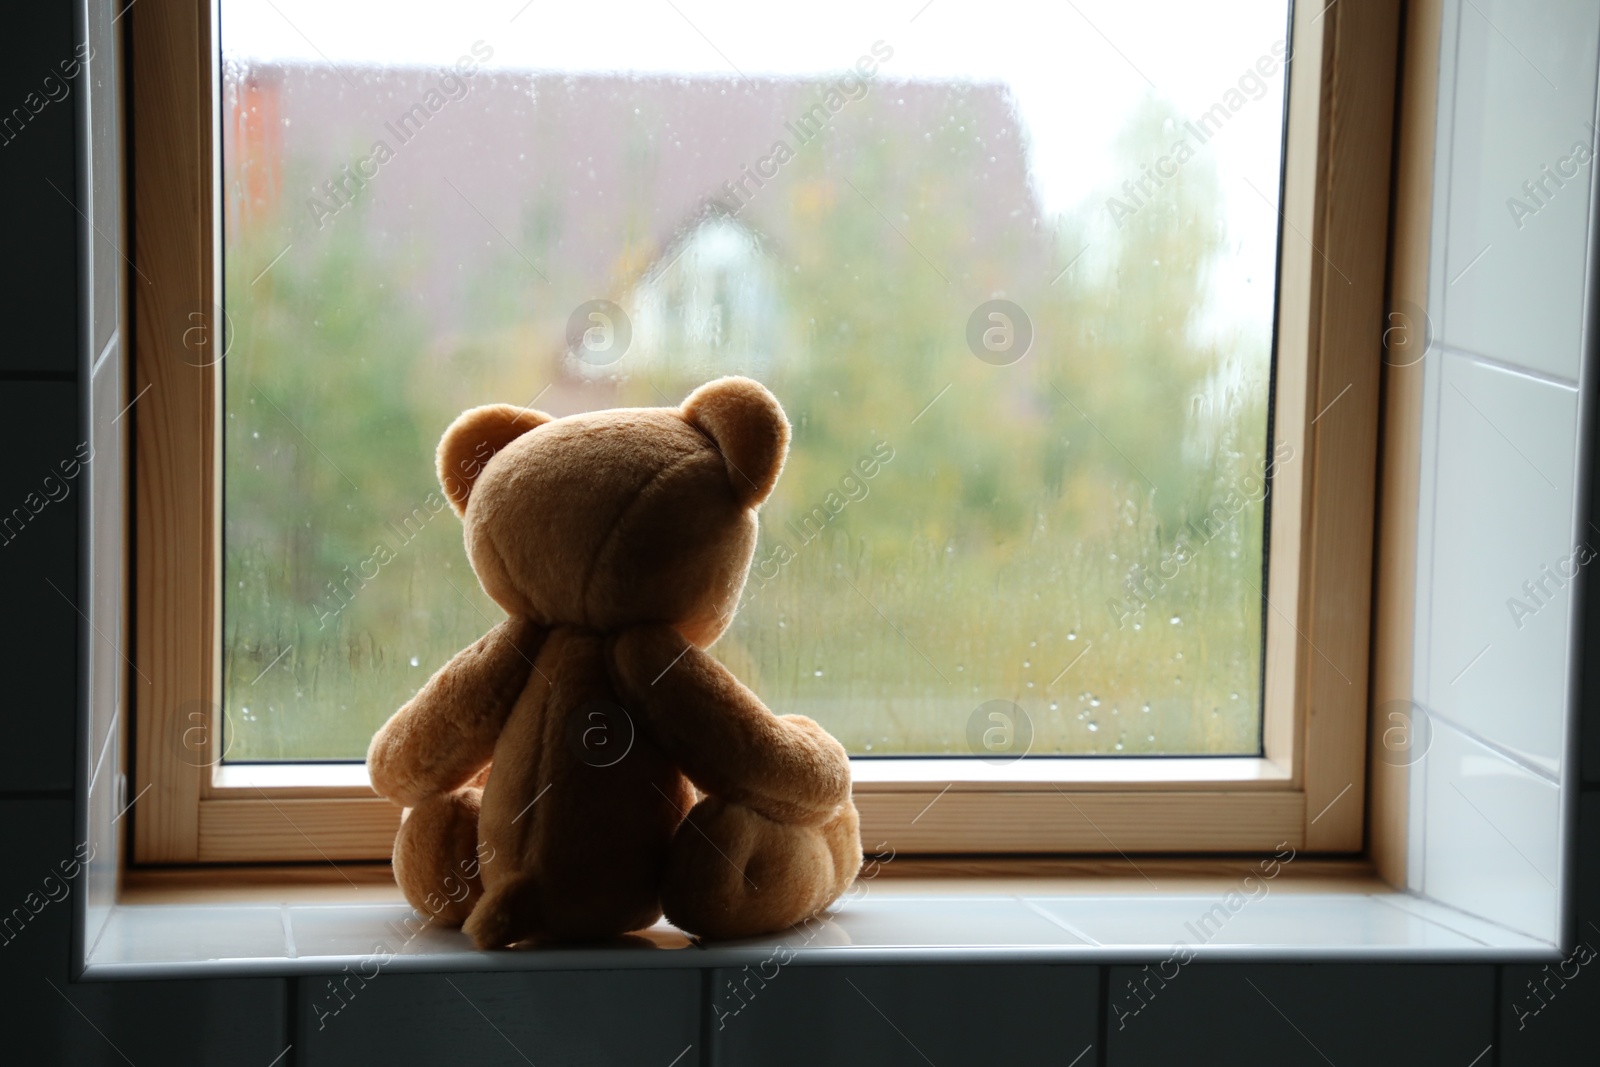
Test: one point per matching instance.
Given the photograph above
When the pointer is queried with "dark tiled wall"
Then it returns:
(949, 1016)
(38, 273)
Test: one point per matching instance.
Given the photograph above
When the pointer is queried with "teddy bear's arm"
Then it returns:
(446, 733)
(725, 740)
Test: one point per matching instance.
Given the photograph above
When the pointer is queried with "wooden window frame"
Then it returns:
(1309, 789)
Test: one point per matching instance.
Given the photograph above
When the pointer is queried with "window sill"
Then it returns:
(868, 774)
(164, 929)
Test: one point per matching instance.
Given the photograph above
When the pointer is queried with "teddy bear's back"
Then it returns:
(580, 796)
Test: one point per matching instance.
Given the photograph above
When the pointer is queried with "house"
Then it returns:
(673, 197)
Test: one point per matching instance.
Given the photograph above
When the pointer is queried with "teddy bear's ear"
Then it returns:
(472, 441)
(748, 427)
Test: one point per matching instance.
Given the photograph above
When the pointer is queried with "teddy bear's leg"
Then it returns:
(436, 855)
(509, 913)
(732, 872)
(843, 835)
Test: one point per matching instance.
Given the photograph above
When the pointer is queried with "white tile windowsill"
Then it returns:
(886, 925)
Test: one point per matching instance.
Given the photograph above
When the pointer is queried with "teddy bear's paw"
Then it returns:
(733, 872)
(826, 782)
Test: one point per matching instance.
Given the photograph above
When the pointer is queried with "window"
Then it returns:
(1043, 361)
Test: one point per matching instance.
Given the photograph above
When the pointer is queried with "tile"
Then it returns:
(102, 484)
(38, 548)
(944, 1014)
(1429, 519)
(394, 929)
(36, 920)
(962, 931)
(1491, 844)
(1416, 812)
(591, 1017)
(234, 1021)
(1305, 920)
(1244, 1015)
(36, 892)
(1504, 559)
(884, 920)
(1587, 845)
(1524, 97)
(1547, 1013)
(879, 922)
(106, 237)
(46, 1018)
(38, 275)
(187, 934)
(1588, 702)
(1480, 931)
(362, 929)
(106, 825)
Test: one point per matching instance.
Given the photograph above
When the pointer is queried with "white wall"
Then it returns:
(1504, 412)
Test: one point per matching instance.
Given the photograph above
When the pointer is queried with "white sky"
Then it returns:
(1076, 68)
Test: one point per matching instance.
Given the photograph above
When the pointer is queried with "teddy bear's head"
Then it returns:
(618, 517)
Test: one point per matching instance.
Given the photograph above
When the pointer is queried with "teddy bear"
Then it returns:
(587, 766)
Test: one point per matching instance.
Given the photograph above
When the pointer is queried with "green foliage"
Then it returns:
(980, 562)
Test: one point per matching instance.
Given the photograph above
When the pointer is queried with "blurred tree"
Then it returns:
(990, 548)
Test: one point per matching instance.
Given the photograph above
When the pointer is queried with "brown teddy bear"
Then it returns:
(586, 766)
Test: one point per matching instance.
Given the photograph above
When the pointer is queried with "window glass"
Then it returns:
(1009, 267)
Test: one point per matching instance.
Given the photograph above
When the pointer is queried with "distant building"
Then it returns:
(669, 196)
(711, 304)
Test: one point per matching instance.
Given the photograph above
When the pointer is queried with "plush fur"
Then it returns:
(586, 766)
